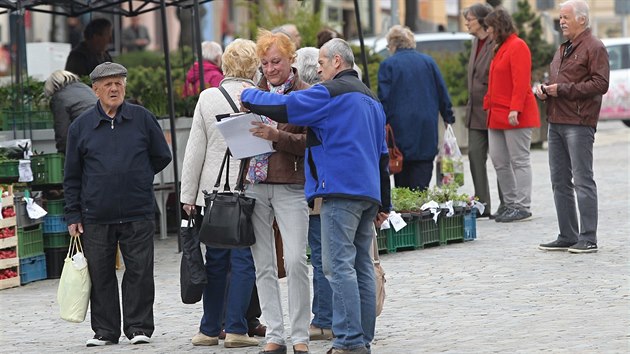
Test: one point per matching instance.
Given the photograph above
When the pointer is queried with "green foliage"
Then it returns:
(267, 17)
(454, 70)
(530, 30)
(31, 92)
(141, 58)
(405, 199)
(147, 83)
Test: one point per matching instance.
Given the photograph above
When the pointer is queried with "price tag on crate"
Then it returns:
(26, 174)
(34, 210)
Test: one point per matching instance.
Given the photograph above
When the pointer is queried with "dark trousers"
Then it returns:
(253, 311)
(138, 288)
(477, 156)
(416, 174)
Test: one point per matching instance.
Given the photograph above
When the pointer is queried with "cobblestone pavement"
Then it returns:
(498, 294)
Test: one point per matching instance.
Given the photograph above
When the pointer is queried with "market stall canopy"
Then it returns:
(79, 7)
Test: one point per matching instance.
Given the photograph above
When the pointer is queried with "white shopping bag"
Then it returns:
(73, 294)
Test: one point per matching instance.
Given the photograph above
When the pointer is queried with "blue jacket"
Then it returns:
(110, 166)
(346, 153)
(413, 93)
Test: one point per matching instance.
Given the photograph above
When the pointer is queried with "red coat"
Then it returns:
(509, 87)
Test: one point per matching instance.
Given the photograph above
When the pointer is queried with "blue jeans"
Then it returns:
(322, 293)
(231, 276)
(346, 240)
(571, 169)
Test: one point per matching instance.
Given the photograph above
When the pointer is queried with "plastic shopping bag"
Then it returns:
(73, 294)
(450, 165)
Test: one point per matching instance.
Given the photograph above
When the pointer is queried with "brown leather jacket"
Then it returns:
(582, 79)
(286, 165)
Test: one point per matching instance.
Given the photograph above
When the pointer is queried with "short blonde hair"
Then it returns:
(266, 39)
(239, 59)
(58, 80)
(400, 37)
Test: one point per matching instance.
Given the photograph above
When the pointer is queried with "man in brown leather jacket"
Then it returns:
(578, 78)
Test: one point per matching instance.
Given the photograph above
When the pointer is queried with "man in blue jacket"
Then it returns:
(413, 93)
(113, 152)
(347, 165)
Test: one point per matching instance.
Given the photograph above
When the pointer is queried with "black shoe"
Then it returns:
(513, 215)
(280, 350)
(98, 341)
(583, 247)
(556, 245)
(502, 209)
(140, 338)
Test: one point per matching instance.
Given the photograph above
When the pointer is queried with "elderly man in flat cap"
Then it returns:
(113, 152)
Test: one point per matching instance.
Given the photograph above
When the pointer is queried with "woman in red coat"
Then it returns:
(512, 113)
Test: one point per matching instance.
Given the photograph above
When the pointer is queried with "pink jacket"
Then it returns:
(212, 77)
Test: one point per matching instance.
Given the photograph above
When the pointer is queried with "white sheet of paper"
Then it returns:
(242, 143)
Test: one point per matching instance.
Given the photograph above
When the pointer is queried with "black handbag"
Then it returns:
(227, 222)
(192, 271)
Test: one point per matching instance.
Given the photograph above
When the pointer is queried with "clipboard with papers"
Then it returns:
(235, 130)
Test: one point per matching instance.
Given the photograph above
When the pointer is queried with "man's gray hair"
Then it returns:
(580, 9)
(211, 51)
(338, 46)
(306, 64)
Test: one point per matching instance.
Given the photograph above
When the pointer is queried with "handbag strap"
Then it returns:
(240, 186)
(226, 186)
(228, 98)
(375, 257)
(391, 141)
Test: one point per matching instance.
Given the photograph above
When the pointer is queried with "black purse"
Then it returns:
(192, 271)
(227, 222)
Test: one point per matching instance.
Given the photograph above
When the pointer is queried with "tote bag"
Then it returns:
(192, 271)
(73, 293)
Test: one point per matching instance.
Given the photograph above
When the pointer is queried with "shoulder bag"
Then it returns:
(227, 222)
(379, 275)
(395, 156)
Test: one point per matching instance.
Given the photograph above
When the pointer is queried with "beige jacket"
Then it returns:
(206, 147)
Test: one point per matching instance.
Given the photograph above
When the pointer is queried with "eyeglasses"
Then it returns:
(470, 19)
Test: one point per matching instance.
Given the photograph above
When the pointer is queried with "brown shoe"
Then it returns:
(233, 340)
(316, 333)
(258, 331)
(222, 335)
(202, 339)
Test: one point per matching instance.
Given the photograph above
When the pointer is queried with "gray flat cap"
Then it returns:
(107, 69)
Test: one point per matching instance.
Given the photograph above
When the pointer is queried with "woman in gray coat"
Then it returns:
(69, 98)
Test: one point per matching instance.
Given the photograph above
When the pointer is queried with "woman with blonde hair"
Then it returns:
(69, 97)
(276, 181)
(223, 298)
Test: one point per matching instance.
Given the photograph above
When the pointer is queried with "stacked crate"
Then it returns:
(56, 237)
(30, 240)
(9, 261)
(48, 174)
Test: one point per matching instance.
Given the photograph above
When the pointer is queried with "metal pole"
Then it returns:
(394, 20)
(197, 44)
(171, 113)
(366, 76)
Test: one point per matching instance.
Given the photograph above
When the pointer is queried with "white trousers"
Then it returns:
(287, 203)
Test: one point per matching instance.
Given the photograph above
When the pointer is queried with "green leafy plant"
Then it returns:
(530, 30)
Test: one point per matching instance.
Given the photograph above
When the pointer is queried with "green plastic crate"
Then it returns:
(381, 240)
(57, 240)
(30, 241)
(55, 206)
(24, 120)
(405, 238)
(9, 169)
(47, 168)
(427, 231)
(451, 228)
